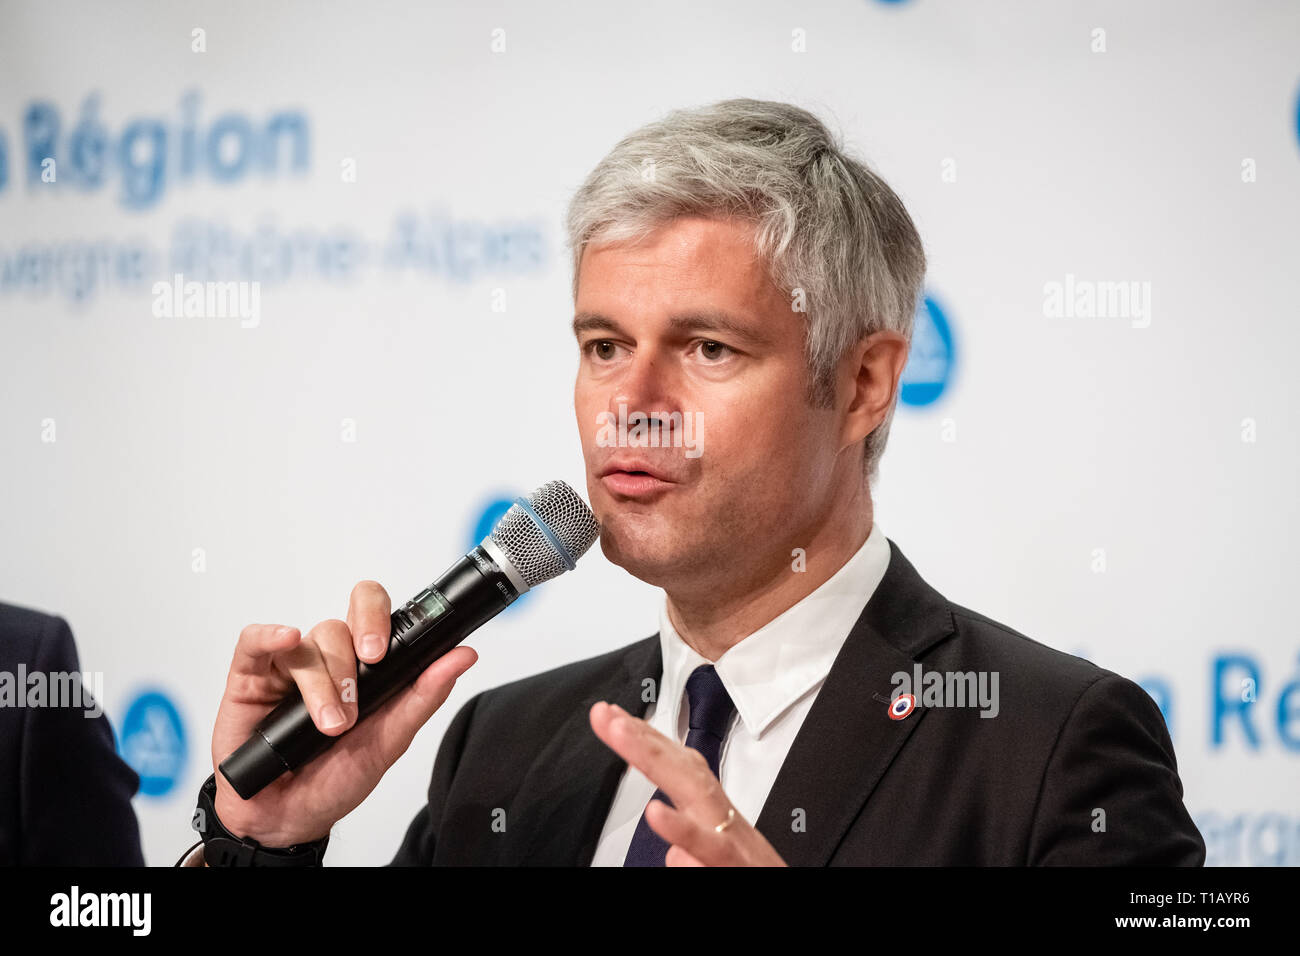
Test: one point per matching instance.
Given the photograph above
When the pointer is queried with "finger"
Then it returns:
(678, 771)
(370, 620)
(676, 856)
(702, 843)
(338, 652)
(256, 645)
(305, 666)
(400, 719)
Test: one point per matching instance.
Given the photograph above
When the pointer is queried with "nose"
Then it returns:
(647, 385)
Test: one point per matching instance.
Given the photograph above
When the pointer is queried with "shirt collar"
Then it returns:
(774, 666)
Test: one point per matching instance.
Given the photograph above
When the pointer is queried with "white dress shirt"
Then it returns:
(772, 676)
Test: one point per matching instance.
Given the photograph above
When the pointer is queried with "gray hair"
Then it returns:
(832, 232)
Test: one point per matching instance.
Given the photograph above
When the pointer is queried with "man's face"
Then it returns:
(688, 322)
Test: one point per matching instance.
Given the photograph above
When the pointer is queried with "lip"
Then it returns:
(630, 465)
(626, 485)
(634, 479)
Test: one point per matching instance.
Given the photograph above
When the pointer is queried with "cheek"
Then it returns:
(585, 417)
(770, 429)
(773, 454)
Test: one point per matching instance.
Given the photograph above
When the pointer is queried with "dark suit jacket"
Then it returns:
(65, 794)
(942, 786)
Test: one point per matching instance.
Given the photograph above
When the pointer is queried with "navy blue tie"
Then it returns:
(710, 711)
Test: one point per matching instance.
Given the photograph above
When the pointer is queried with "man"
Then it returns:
(66, 800)
(734, 269)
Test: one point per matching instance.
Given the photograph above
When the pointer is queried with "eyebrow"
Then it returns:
(699, 320)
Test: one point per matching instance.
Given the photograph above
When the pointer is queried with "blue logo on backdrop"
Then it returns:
(930, 362)
(1297, 116)
(493, 512)
(153, 742)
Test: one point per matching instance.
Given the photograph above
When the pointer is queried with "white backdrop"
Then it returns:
(1118, 486)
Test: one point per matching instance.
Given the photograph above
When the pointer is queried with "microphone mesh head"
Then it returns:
(549, 541)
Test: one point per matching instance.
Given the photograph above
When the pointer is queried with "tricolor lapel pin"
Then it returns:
(901, 706)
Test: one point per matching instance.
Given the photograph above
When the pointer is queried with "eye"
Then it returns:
(600, 349)
(714, 351)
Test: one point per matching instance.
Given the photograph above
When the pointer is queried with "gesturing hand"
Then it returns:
(702, 828)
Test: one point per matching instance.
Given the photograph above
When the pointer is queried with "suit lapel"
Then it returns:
(570, 787)
(848, 740)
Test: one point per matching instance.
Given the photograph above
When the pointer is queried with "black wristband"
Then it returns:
(223, 848)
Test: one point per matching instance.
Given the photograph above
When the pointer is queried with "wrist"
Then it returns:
(235, 823)
(224, 847)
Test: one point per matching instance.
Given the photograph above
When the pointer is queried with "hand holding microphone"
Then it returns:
(285, 777)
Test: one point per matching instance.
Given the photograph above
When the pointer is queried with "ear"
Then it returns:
(869, 382)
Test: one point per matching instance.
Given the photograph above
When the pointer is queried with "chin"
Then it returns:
(644, 552)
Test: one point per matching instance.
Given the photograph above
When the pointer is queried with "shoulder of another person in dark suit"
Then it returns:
(66, 788)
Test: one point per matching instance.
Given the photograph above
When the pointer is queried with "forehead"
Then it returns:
(690, 261)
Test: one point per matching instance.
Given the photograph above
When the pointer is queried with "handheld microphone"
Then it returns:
(539, 538)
